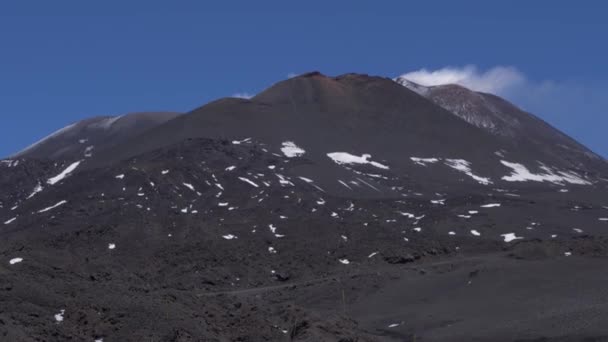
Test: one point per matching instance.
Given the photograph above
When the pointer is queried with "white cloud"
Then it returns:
(292, 75)
(243, 95)
(497, 80)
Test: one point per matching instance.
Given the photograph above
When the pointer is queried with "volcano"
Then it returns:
(348, 208)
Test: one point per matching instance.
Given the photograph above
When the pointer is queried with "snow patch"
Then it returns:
(476, 233)
(424, 161)
(491, 205)
(11, 220)
(15, 261)
(291, 150)
(465, 167)
(36, 190)
(59, 316)
(63, 173)
(522, 174)
(342, 158)
(510, 237)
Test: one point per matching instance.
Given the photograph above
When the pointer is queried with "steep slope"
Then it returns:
(84, 138)
(494, 114)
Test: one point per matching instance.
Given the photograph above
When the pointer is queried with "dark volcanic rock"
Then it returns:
(267, 220)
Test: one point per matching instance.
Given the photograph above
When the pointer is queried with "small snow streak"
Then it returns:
(238, 142)
(53, 207)
(36, 190)
(189, 186)
(249, 181)
(424, 161)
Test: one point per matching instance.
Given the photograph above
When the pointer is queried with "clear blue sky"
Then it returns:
(61, 61)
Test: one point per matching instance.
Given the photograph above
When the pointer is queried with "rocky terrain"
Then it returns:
(349, 208)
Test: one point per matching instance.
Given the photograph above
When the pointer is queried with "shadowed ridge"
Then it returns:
(79, 139)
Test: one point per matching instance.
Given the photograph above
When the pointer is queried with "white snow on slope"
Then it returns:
(106, 123)
(63, 173)
(15, 261)
(88, 152)
(7, 162)
(491, 205)
(53, 207)
(522, 174)
(59, 316)
(465, 167)
(238, 142)
(36, 190)
(424, 161)
(10, 221)
(52, 135)
(291, 150)
(189, 186)
(249, 181)
(347, 158)
(510, 237)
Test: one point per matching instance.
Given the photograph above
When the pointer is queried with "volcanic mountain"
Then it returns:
(348, 208)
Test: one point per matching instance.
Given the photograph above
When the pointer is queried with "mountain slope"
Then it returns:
(344, 208)
(360, 114)
(503, 119)
(83, 139)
